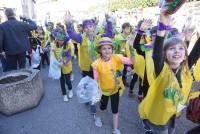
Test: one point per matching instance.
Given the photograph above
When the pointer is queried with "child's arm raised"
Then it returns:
(109, 29)
(158, 58)
(70, 28)
(136, 44)
(188, 33)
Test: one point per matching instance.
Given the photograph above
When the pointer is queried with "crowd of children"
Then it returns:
(157, 54)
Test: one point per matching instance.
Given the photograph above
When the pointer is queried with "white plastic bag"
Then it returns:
(54, 68)
(36, 58)
(88, 91)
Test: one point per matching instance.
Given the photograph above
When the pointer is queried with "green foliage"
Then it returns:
(54, 0)
(128, 4)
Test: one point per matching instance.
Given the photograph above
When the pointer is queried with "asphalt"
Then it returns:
(54, 116)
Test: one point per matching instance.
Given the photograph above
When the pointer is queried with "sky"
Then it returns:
(57, 9)
(79, 4)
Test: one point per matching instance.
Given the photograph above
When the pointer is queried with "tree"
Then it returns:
(119, 4)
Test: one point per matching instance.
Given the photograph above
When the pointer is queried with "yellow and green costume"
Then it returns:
(60, 54)
(141, 63)
(164, 96)
(121, 45)
(84, 53)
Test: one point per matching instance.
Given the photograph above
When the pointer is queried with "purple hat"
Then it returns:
(87, 23)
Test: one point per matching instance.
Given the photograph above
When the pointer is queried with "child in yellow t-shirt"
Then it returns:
(62, 52)
(107, 71)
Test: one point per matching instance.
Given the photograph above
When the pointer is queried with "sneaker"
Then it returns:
(116, 131)
(97, 121)
(65, 98)
(72, 77)
(146, 127)
(70, 94)
(140, 98)
(148, 132)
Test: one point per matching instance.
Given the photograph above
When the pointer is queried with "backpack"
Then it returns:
(193, 110)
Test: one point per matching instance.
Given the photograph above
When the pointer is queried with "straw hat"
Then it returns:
(104, 41)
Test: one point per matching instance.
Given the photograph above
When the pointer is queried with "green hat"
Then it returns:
(60, 36)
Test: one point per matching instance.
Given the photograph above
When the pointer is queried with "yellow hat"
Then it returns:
(104, 41)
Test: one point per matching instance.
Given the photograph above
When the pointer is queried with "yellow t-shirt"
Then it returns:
(60, 54)
(121, 45)
(106, 79)
(141, 63)
(85, 60)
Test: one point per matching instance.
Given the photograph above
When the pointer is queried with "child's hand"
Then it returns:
(61, 64)
(110, 18)
(107, 16)
(164, 18)
(146, 24)
(188, 32)
(68, 17)
(64, 63)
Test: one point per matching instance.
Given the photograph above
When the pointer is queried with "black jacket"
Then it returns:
(14, 36)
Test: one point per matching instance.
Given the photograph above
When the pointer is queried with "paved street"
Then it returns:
(54, 116)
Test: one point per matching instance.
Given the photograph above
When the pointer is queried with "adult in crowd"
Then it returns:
(14, 39)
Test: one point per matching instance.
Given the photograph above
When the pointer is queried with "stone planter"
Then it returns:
(20, 90)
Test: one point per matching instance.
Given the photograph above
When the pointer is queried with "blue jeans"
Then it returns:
(169, 128)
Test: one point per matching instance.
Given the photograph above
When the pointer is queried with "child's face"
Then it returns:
(80, 28)
(106, 52)
(34, 45)
(142, 40)
(60, 42)
(127, 30)
(89, 29)
(175, 54)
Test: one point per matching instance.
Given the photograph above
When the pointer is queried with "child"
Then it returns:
(121, 45)
(121, 39)
(62, 51)
(45, 49)
(86, 41)
(169, 92)
(141, 40)
(107, 72)
(35, 54)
